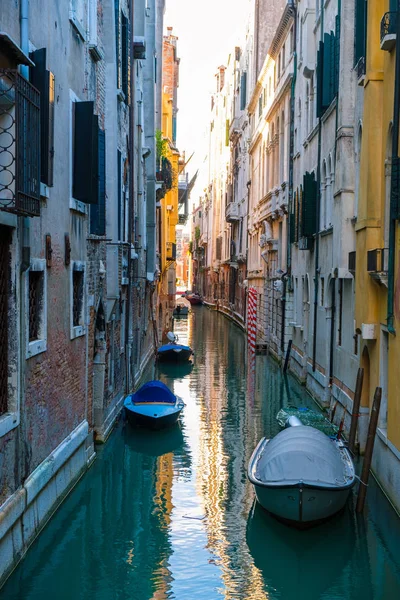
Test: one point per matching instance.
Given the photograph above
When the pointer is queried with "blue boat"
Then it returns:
(153, 406)
(174, 352)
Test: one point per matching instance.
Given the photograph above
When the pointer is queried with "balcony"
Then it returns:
(232, 212)
(361, 69)
(19, 145)
(388, 31)
(377, 264)
(171, 251)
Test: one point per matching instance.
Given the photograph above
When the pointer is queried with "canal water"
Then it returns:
(172, 514)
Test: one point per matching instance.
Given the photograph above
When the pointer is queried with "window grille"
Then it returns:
(77, 298)
(35, 303)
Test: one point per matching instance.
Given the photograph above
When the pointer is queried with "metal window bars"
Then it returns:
(19, 145)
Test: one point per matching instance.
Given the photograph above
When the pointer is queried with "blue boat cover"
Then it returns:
(154, 391)
(168, 347)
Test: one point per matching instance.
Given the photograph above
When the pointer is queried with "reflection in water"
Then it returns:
(171, 514)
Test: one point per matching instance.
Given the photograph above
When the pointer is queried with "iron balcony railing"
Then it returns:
(19, 145)
(361, 68)
(388, 24)
(171, 251)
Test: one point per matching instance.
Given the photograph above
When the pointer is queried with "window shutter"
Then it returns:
(332, 73)
(309, 217)
(326, 79)
(43, 81)
(227, 132)
(337, 53)
(119, 192)
(126, 57)
(117, 42)
(85, 176)
(320, 75)
(243, 90)
(98, 212)
(360, 30)
(292, 225)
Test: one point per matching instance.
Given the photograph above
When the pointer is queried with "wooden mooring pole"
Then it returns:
(356, 409)
(373, 423)
(289, 347)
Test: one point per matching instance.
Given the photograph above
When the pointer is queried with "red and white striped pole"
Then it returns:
(252, 319)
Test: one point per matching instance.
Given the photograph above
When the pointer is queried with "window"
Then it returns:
(98, 211)
(77, 16)
(360, 37)
(77, 299)
(36, 308)
(85, 153)
(243, 90)
(322, 294)
(5, 293)
(339, 339)
(125, 57)
(43, 80)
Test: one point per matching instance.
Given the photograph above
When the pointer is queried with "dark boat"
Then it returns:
(194, 299)
(181, 310)
(174, 352)
(153, 406)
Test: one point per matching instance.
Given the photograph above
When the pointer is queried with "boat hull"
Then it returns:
(154, 417)
(194, 300)
(301, 507)
(174, 355)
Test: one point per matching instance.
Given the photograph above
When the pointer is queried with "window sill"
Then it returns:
(78, 206)
(44, 191)
(78, 331)
(96, 53)
(77, 26)
(8, 422)
(35, 348)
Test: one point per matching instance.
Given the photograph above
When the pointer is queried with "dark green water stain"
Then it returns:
(172, 515)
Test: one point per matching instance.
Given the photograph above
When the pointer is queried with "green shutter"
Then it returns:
(360, 30)
(227, 123)
(117, 41)
(309, 205)
(320, 76)
(327, 79)
(292, 224)
(337, 53)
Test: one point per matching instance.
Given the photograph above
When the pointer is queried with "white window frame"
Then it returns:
(78, 17)
(40, 345)
(11, 419)
(74, 204)
(77, 330)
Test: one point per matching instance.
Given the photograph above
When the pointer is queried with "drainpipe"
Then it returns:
(317, 269)
(291, 141)
(131, 153)
(333, 300)
(24, 70)
(394, 199)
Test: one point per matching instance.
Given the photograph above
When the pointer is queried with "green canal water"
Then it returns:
(172, 515)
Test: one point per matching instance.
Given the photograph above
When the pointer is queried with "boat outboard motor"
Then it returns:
(171, 337)
(293, 422)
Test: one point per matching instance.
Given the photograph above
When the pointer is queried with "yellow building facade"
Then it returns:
(377, 303)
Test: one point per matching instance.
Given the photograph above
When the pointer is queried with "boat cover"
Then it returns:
(175, 347)
(301, 454)
(154, 391)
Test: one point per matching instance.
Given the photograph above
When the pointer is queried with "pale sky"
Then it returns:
(207, 32)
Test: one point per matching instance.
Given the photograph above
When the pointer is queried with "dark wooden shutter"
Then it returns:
(243, 90)
(119, 193)
(360, 30)
(98, 211)
(43, 81)
(337, 53)
(125, 61)
(117, 42)
(86, 139)
(327, 79)
(309, 205)
(320, 76)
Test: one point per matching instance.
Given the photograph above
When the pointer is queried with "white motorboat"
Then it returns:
(301, 476)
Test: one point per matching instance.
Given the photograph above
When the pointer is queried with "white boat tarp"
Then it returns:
(301, 454)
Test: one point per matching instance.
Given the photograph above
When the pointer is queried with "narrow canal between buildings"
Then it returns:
(172, 514)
